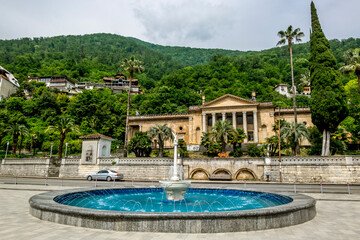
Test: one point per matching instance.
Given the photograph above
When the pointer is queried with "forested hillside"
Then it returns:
(174, 79)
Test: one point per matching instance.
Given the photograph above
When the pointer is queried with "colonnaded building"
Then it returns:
(256, 118)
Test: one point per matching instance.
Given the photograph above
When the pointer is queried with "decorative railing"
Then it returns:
(26, 161)
(70, 161)
(137, 161)
(314, 160)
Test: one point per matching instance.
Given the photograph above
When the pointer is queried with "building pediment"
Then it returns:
(229, 100)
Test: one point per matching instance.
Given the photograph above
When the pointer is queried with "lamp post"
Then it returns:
(280, 148)
(7, 148)
(66, 146)
(51, 150)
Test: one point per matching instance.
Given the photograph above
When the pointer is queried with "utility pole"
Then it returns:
(280, 147)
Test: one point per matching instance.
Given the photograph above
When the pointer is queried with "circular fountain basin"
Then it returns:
(148, 210)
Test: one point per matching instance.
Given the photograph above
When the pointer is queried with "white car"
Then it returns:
(107, 175)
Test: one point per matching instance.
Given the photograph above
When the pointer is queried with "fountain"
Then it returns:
(175, 207)
(175, 188)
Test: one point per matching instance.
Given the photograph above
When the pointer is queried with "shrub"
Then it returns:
(254, 150)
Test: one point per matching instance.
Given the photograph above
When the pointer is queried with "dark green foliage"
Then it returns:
(238, 152)
(140, 144)
(254, 150)
(212, 147)
(328, 102)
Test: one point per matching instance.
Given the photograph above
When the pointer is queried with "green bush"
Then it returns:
(254, 150)
(238, 153)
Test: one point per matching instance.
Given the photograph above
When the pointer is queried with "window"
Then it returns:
(239, 120)
(250, 136)
(209, 121)
(250, 119)
(229, 118)
(181, 128)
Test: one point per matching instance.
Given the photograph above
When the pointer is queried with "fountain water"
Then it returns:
(175, 188)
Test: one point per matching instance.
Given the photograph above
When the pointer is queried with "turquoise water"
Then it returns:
(154, 200)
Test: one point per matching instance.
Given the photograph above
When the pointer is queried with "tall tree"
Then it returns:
(221, 132)
(328, 102)
(64, 125)
(23, 131)
(237, 137)
(131, 65)
(161, 133)
(15, 129)
(288, 36)
(294, 133)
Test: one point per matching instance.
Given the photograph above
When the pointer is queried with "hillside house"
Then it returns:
(8, 83)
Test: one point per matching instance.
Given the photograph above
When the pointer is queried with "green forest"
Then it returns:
(174, 79)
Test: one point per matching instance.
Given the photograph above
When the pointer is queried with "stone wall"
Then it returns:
(312, 169)
(25, 167)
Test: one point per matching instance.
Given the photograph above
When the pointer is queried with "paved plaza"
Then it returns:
(337, 218)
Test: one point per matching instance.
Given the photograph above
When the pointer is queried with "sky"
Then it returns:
(227, 24)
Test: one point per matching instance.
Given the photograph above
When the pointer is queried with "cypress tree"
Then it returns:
(327, 103)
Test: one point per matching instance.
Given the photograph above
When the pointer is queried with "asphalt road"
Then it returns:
(260, 186)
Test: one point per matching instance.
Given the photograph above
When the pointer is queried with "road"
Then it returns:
(260, 186)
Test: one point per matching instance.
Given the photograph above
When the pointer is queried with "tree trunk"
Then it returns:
(293, 83)
(14, 146)
(223, 145)
(161, 149)
(234, 147)
(20, 146)
(357, 73)
(127, 117)
(327, 150)
(62, 139)
(323, 143)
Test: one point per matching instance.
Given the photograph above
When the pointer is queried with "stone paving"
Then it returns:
(337, 218)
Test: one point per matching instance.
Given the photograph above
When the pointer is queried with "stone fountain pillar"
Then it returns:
(175, 188)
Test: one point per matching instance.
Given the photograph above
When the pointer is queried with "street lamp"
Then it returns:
(66, 145)
(51, 149)
(280, 148)
(7, 148)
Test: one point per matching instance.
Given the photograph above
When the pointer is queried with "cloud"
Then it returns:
(182, 21)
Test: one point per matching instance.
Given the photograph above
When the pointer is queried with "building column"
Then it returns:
(213, 119)
(191, 130)
(245, 125)
(256, 130)
(204, 121)
(234, 119)
(140, 127)
(223, 116)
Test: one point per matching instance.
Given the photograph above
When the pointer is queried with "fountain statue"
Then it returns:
(175, 188)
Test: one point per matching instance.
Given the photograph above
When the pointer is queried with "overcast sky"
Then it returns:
(227, 24)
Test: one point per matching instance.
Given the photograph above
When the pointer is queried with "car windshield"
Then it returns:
(112, 171)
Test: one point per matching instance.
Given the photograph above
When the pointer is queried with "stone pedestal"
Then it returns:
(175, 190)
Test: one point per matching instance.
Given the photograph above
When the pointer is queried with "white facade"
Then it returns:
(282, 89)
(95, 146)
(8, 83)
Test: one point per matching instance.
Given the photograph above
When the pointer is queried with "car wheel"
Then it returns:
(108, 179)
(89, 178)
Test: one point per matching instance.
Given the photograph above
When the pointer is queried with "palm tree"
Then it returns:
(221, 132)
(131, 65)
(294, 133)
(63, 126)
(15, 130)
(236, 137)
(352, 63)
(23, 131)
(161, 133)
(288, 37)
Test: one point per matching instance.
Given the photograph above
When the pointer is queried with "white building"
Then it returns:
(95, 146)
(8, 83)
(282, 89)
